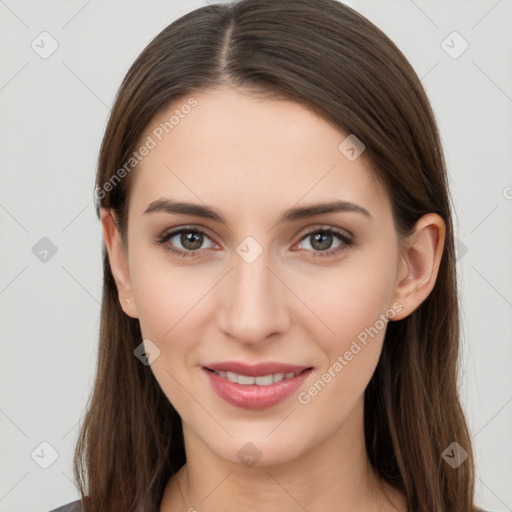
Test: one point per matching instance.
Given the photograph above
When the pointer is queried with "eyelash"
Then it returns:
(346, 241)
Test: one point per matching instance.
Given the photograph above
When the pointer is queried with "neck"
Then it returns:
(334, 475)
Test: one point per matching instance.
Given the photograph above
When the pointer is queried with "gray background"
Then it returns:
(53, 113)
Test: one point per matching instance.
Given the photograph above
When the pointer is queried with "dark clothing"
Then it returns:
(75, 506)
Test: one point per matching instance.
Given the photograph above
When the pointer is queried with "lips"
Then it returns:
(255, 386)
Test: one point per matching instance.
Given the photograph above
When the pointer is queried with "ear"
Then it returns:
(118, 261)
(419, 263)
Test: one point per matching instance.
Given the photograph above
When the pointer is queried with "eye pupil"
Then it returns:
(191, 240)
(324, 239)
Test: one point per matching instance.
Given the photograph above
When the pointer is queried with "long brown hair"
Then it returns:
(327, 57)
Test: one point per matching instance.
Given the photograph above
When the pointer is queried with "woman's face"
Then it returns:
(268, 282)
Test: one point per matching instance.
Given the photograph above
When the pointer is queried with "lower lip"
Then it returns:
(252, 396)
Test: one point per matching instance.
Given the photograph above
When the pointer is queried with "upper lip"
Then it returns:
(256, 370)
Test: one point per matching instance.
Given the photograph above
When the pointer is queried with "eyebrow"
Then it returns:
(290, 215)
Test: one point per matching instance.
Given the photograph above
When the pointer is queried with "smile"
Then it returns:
(255, 387)
(265, 380)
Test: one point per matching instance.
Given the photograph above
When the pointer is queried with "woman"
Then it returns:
(279, 326)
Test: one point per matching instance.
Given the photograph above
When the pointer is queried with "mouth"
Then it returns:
(249, 380)
(257, 386)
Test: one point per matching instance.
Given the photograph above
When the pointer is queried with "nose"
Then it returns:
(253, 302)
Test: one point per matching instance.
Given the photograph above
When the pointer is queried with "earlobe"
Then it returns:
(419, 263)
(118, 261)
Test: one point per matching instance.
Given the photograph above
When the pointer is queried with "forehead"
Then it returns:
(248, 154)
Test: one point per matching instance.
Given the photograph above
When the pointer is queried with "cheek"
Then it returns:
(165, 293)
(167, 304)
(349, 300)
(352, 304)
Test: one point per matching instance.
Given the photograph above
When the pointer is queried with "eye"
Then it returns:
(190, 240)
(321, 240)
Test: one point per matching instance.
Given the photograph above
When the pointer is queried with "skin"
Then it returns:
(251, 158)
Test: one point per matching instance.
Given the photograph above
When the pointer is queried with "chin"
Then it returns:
(263, 446)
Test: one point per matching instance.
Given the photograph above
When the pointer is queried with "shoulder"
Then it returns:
(74, 506)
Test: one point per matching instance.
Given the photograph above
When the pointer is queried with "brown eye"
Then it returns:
(191, 240)
(321, 241)
(185, 241)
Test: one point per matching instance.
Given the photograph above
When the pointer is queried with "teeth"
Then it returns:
(264, 380)
(243, 379)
